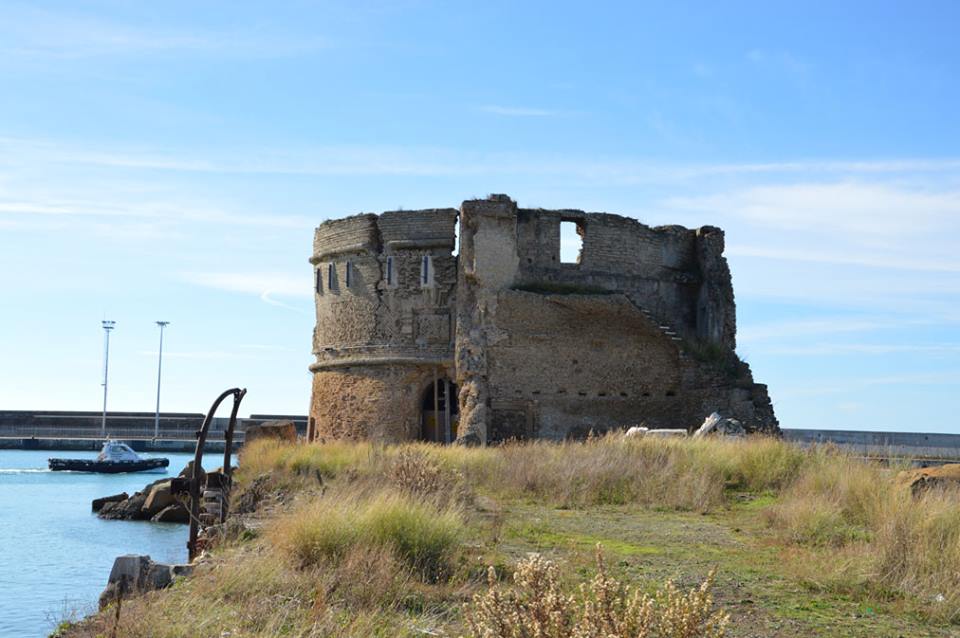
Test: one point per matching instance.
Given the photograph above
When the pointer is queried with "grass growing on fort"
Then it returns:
(360, 539)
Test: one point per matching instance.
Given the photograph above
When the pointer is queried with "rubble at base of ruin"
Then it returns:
(465, 325)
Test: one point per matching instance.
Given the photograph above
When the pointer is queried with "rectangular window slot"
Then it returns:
(426, 271)
(348, 279)
(318, 280)
(331, 276)
(571, 242)
(390, 275)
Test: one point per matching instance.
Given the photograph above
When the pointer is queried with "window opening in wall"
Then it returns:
(439, 412)
(348, 279)
(456, 236)
(331, 276)
(390, 276)
(426, 271)
(318, 280)
(571, 242)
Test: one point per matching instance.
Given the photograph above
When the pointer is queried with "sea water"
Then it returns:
(55, 554)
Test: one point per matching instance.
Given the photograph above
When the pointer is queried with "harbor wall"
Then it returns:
(77, 430)
(81, 430)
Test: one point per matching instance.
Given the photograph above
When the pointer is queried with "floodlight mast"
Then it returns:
(107, 327)
(156, 420)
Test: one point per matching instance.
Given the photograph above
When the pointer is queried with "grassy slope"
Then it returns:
(799, 548)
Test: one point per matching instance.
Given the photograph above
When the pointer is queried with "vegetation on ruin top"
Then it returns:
(561, 288)
(360, 539)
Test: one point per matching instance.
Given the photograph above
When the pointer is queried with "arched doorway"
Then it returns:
(439, 412)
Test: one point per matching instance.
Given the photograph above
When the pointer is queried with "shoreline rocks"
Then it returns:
(99, 503)
(155, 502)
(724, 426)
(922, 479)
(280, 430)
(133, 575)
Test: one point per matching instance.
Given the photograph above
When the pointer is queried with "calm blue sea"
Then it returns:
(55, 555)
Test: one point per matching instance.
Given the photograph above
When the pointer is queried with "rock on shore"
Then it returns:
(154, 502)
(133, 575)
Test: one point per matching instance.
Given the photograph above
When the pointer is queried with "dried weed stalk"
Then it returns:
(535, 606)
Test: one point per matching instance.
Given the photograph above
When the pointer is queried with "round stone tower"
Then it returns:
(385, 290)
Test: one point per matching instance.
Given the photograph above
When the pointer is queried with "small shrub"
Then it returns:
(535, 605)
(561, 288)
(366, 578)
(417, 532)
(414, 472)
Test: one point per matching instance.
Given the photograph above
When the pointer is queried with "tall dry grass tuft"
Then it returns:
(536, 605)
(681, 474)
(328, 459)
(608, 471)
(421, 533)
(887, 540)
(413, 471)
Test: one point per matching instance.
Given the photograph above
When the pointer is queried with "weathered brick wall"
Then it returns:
(374, 339)
(380, 402)
(572, 363)
(658, 268)
(430, 227)
(350, 234)
(534, 347)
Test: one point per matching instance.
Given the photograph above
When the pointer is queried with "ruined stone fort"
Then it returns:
(501, 339)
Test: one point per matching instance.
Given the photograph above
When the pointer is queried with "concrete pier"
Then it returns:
(64, 430)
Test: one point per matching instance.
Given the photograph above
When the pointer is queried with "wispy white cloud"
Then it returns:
(199, 354)
(898, 262)
(811, 327)
(779, 60)
(855, 384)
(518, 111)
(828, 349)
(260, 284)
(266, 347)
(30, 32)
(848, 206)
(144, 207)
(446, 162)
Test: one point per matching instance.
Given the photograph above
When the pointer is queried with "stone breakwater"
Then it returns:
(155, 502)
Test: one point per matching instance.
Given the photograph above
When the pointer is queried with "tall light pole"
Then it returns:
(107, 327)
(156, 420)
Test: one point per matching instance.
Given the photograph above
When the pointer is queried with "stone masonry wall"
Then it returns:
(380, 402)
(569, 364)
(383, 336)
(641, 329)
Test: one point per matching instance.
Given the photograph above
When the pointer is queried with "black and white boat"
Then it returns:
(114, 458)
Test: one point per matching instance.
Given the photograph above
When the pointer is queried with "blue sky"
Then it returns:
(169, 161)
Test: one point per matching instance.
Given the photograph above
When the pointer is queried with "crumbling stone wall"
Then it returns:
(641, 329)
(379, 401)
(381, 336)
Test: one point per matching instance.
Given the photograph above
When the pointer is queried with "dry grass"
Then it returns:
(417, 531)
(884, 540)
(680, 474)
(388, 544)
(888, 540)
(536, 605)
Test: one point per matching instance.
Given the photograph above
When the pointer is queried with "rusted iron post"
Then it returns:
(197, 478)
(446, 410)
(436, 408)
(228, 452)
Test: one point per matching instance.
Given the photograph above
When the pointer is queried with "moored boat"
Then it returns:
(114, 458)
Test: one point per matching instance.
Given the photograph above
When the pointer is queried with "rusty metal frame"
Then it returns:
(197, 478)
